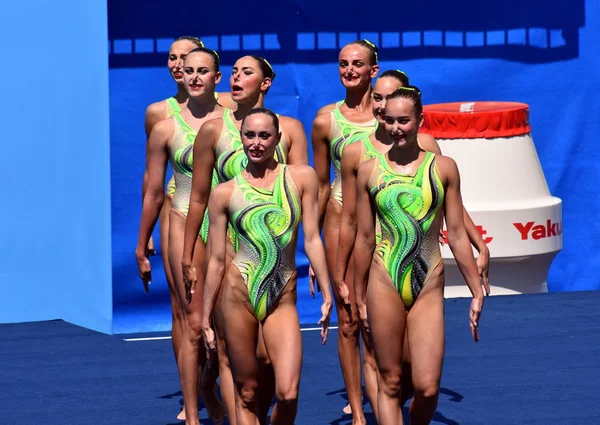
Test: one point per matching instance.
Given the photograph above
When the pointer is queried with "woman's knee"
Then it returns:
(192, 328)
(247, 395)
(346, 328)
(426, 387)
(390, 382)
(287, 394)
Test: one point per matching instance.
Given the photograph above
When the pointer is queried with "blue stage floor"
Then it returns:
(537, 363)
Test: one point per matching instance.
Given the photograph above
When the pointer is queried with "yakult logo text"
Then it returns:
(538, 231)
(481, 231)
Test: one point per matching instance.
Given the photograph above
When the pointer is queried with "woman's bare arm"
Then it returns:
(154, 113)
(365, 239)
(156, 169)
(218, 251)
(428, 143)
(350, 163)
(204, 162)
(313, 244)
(294, 132)
(458, 240)
(322, 161)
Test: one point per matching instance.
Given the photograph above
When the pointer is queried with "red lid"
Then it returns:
(475, 120)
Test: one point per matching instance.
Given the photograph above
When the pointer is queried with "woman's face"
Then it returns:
(247, 79)
(177, 54)
(384, 86)
(259, 137)
(354, 66)
(400, 121)
(200, 75)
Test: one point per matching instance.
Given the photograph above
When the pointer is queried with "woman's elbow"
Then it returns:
(311, 241)
(348, 218)
(457, 237)
(216, 265)
(365, 241)
(154, 197)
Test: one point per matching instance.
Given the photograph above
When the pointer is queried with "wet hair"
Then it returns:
(194, 40)
(211, 52)
(412, 93)
(398, 75)
(371, 47)
(265, 111)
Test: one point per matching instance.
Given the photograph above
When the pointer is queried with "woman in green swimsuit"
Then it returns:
(172, 140)
(264, 204)
(336, 126)
(219, 156)
(154, 113)
(371, 146)
(408, 190)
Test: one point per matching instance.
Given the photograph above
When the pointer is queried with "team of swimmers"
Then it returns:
(229, 222)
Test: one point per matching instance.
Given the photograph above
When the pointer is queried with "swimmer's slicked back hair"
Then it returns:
(371, 47)
(397, 74)
(191, 39)
(412, 93)
(211, 52)
(265, 111)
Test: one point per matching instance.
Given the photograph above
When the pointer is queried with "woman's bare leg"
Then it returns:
(176, 321)
(208, 390)
(241, 338)
(425, 325)
(407, 385)
(226, 380)
(283, 341)
(348, 332)
(266, 379)
(387, 322)
(370, 370)
(191, 356)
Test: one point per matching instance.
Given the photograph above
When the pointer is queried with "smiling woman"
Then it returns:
(219, 156)
(264, 204)
(335, 127)
(399, 276)
(172, 139)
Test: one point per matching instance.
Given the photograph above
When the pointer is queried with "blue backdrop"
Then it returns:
(55, 258)
(513, 50)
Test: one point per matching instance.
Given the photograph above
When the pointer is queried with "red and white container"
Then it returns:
(503, 189)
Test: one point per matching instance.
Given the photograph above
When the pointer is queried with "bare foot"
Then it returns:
(347, 409)
(181, 416)
(214, 407)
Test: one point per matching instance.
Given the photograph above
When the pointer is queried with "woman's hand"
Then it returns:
(144, 267)
(344, 293)
(190, 278)
(325, 318)
(474, 315)
(362, 315)
(208, 335)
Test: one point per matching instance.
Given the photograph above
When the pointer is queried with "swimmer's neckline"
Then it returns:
(181, 121)
(264, 190)
(367, 140)
(359, 124)
(384, 161)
